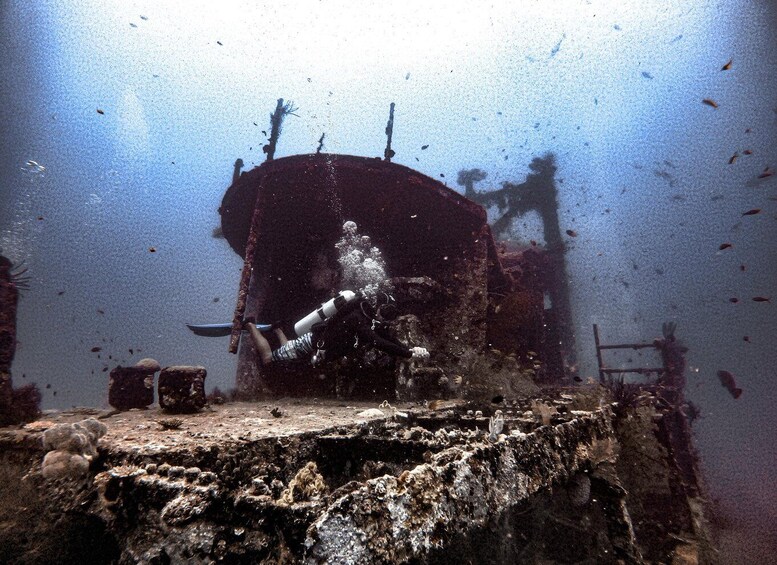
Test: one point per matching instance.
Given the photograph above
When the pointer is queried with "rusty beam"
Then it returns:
(245, 276)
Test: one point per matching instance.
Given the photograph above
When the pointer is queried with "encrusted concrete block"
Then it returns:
(182, 389)
(131, 387)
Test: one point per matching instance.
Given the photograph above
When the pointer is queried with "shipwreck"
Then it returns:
(493, 451)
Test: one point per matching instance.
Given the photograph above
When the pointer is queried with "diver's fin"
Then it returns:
(220, 330)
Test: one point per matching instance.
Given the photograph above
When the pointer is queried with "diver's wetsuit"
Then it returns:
(345, 333)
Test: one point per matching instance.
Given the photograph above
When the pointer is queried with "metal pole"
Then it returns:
(599, 353)
(389, 153)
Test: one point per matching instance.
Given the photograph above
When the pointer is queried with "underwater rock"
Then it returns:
(182, 389)
(371, 413)
(131, 387)
(579, 489)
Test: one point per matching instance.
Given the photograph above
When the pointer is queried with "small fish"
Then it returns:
(152, 249)
(100, 112)
(424, 147)
(219, 42)
(729, 383)
(723, 246)
(733, 300)
(442, 175)
(752, 212)
(710, 102)
(577, 379)
(60, 293)
(733, 159)
(96, 349)
(742, 268)
(727, 66)
(100, 311)
(647, 75)
(143, 18)
(761, 299)
(40, 218)
(747, 339)
(571, 233)
(131, 351)
(767, 173)
(133, 25)
(747, 152)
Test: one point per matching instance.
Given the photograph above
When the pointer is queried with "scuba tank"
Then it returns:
(325, 311)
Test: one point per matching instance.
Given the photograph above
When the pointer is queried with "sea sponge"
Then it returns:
(149, 363)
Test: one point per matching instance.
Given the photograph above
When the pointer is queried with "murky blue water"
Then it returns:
(121, 123)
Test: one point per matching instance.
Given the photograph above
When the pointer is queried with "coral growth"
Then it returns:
(307, 485)
(24, 406)
(71, 448)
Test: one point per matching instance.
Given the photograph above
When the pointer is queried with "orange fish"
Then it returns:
(727, 66)
(747, 152)
(760, 299)
(733, 159)
(752, 212)
(767, 173)
(710, 102)
(571, 233)
(725, 246)
(733, 300)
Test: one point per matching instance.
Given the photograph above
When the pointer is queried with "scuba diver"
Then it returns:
(357, 322)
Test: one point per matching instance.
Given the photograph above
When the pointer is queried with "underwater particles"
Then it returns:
(729, 383)
(33, 169)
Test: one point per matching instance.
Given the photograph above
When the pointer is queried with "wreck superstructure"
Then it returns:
(441, 256)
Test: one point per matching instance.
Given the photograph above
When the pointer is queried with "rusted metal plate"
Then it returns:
(418, 223)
